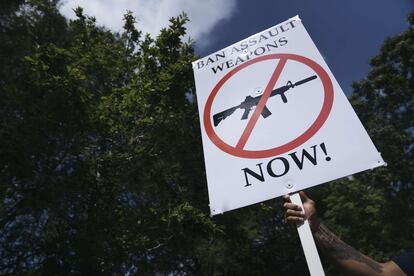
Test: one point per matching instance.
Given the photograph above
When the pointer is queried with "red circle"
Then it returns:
(320, 120)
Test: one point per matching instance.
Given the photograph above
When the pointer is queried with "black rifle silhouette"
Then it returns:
(250, 101)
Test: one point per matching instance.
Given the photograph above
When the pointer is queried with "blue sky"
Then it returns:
(347, 33)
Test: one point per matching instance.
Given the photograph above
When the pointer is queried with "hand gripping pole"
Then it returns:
(308, 244)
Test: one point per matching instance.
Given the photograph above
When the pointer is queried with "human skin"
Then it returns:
(347, 259)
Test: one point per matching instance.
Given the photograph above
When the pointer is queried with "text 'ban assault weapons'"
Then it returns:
(250, 101)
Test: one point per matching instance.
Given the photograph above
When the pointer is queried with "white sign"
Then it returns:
(274, 119)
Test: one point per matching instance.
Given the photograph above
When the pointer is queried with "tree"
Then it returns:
(96, 175)
(381, 202)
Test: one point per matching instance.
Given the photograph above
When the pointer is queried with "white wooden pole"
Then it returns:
(308, 244)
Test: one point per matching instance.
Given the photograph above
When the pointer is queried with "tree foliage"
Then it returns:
(375, 210)
(101, 161)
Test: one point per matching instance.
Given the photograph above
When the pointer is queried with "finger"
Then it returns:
(294, 220)
(286, 198)
(292, 206)
(293, 213)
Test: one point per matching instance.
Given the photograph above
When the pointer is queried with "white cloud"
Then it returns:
(152, 15)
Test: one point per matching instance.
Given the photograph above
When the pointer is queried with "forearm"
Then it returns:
(348, 260)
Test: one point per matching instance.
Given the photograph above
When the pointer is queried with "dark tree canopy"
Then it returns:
(101, 161)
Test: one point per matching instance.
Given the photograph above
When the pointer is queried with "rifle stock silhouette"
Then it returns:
(250, 101)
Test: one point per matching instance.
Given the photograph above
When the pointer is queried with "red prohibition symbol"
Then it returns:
(239, 150)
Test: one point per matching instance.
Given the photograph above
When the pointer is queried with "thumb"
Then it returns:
(304, 197)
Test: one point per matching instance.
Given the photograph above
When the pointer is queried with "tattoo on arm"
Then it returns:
(335, 248)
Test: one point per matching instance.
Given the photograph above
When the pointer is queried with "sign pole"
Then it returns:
(308, 244)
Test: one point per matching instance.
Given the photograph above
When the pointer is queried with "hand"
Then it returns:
(295, 215)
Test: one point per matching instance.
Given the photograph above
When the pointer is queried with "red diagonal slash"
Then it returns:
(262, 103)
